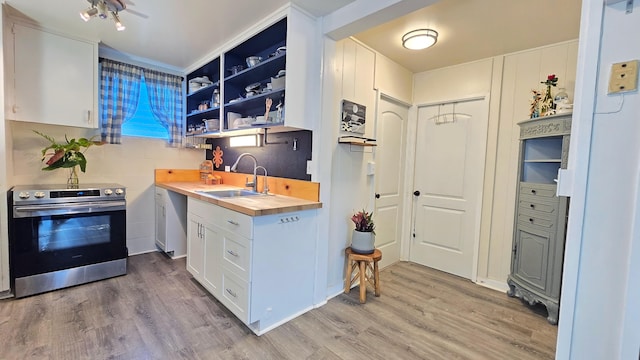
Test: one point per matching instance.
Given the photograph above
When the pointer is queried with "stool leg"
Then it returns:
(363, 282)
(349, 272)
(376, 278)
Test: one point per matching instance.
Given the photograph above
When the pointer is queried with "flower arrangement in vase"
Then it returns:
(67, 155)
(363, 236)
(546, 106)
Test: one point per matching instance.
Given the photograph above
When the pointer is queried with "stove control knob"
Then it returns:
(39, 194)
(108, 192)
(23, 195)
(119, 191)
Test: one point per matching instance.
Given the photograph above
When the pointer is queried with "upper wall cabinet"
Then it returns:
(268, 79)
(50, 78)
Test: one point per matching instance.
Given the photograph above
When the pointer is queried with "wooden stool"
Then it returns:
(362, 262)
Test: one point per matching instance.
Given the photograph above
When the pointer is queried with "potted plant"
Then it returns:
(67, 155)
(364, 235)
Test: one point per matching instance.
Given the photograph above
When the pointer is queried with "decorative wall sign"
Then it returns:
(353, 117)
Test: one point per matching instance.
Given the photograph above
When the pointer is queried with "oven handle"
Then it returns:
(63, 209)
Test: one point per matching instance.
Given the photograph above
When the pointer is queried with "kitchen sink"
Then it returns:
(228, 193)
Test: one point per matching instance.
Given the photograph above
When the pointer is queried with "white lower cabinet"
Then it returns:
(171, 229)
(258, 267)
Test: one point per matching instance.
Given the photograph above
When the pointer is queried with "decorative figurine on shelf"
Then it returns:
(534, 110)
(546, 107)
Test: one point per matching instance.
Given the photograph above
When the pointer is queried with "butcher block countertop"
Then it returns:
(250, 205)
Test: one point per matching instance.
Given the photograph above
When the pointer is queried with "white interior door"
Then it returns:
(449, 172)
(389, 157)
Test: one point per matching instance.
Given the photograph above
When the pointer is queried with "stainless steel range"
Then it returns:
(61, 237)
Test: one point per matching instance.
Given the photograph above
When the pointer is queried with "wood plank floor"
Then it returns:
(157, 311)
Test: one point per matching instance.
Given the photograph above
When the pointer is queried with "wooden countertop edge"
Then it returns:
(232, 204)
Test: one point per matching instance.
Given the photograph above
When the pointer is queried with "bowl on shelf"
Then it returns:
(212, 124)
(253, 60)
(235, 69)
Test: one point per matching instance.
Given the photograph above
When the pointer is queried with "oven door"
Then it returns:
(55, 237)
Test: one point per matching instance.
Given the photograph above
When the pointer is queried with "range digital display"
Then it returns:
(73, 193)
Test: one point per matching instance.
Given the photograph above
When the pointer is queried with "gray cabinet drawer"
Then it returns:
(541, 210)
(534, 221)
(538, 190)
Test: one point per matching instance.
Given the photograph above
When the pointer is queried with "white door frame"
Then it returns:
(407, 183)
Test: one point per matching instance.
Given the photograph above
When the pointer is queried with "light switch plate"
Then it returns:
(227, 168)
(624, 77)
(309, 167)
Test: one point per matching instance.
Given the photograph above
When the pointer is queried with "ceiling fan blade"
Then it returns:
(137, 13)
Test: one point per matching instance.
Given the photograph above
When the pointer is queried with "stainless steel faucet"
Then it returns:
(253, 184)
(265, 180)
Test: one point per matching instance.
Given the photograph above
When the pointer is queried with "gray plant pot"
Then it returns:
(362, 242)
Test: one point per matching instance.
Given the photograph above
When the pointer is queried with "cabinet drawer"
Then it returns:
(235, 295)
(233, 221)
(236, 255)
(535, 221)
(538, 190)
(538, 210)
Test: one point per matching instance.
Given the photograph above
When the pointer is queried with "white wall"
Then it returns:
(509, 80)
(5, 158)
(349, 73)
(130, 164)
(599, 317)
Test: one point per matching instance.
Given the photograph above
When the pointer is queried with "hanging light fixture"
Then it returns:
(86, 15)
(116, 19)
(419, 39)
(104, 9)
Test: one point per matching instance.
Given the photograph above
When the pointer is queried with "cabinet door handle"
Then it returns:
(233, 222)
(231, 293)
(89, 116)
(232, 253)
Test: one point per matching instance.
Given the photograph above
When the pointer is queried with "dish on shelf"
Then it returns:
(252, 87)
(235, 100)
(235, 69)
(253, 60)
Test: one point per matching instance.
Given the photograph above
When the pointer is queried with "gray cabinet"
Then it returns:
(540, 217)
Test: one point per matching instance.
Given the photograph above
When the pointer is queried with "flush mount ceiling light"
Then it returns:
(419, 39)
(104, 8)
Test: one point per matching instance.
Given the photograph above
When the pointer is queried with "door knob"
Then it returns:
(377, 196)
(416, 193)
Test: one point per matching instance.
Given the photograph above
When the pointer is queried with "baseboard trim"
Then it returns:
(493, 284)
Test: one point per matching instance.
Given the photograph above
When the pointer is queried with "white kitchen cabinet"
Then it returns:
(292, 29)
(171, 226)
(195, 244)
(259, 265)
(50, 78)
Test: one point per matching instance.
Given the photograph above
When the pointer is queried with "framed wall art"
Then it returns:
(353, 117)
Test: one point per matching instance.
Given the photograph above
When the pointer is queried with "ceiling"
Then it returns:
(177, 34)
(476, 29)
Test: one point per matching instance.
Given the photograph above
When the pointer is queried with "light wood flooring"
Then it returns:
(157, 311)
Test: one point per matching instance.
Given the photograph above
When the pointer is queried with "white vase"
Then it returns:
(362, 242)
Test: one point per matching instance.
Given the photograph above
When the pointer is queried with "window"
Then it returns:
(144, 123)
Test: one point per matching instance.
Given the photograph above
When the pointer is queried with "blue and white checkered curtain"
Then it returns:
(119, 94)
(165, 98)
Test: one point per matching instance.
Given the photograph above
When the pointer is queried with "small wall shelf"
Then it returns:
(357, 141)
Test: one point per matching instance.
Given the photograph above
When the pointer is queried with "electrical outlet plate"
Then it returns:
(624, 77)
(309, 167)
